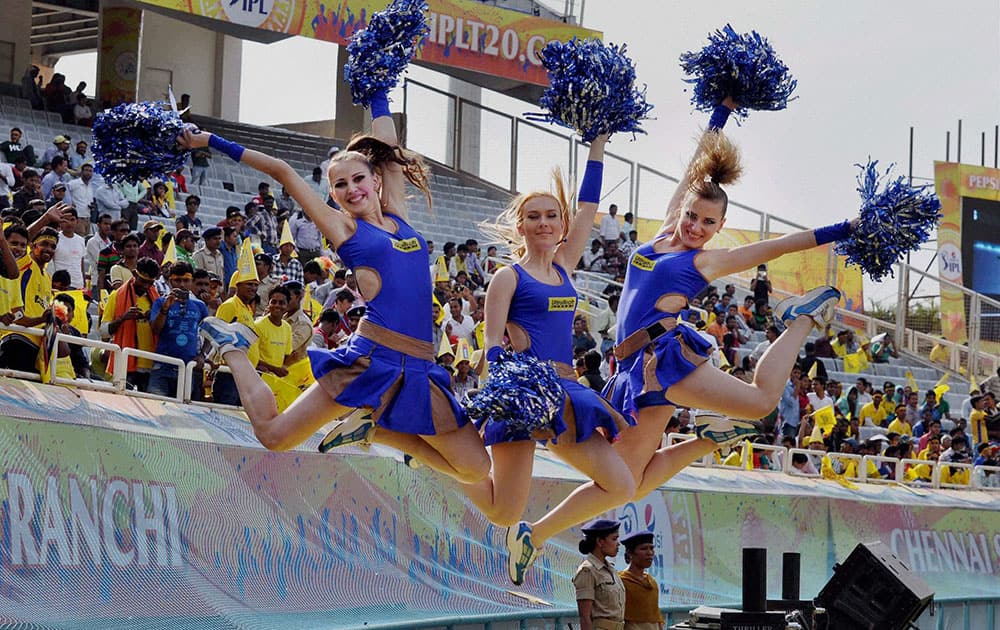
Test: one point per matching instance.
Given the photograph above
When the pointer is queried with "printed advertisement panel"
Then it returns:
(464, 33)
(119, 55)
(101, 524)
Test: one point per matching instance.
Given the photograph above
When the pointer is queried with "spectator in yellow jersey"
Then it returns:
(20, 352)
(274, 334)
(877, 411)
(977, 420)
(238, 308)
(11, 302)
(900, 425)
(642, 595)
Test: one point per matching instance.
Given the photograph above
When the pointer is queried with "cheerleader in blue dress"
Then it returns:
(534, 302)
(387, 368)
(663, 363)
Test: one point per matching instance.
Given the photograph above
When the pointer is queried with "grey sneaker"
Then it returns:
(356, 428)
(819, 304)
(723, 430)
(226, 337)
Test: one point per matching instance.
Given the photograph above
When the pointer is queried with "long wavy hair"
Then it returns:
(717, 164)
(374, 152)
(504, 228)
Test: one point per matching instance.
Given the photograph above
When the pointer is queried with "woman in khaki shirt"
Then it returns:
(600, 594)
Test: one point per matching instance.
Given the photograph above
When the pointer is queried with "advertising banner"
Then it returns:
(463, 33)
(968, 240)
(119, 55)
(120, 527)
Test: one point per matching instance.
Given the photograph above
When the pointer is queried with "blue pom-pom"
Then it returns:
(379, 53)
(522, 393)
(137, 141)
(591, 89)
(893, 221)
(743, 67)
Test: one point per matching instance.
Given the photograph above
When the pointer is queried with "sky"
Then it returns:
(867, 71)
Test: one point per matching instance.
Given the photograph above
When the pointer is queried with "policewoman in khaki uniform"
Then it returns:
(600, 594)
(642, 594)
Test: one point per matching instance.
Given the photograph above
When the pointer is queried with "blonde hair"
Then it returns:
(374, 153)
(716, 163)
(504, 228)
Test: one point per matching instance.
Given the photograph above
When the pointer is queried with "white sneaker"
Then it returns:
(819, 304)
(357, 427)
(521, 551)
(724, 430)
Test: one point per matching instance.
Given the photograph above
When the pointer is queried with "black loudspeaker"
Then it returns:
(872, 590)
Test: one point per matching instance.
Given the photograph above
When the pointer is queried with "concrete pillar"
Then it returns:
(470, 146)
(15, 39)
(228, 73)
(350, 119)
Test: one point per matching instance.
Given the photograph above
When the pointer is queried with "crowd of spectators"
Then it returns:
(147, 278)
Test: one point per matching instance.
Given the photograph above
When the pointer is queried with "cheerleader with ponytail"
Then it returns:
(383, 380)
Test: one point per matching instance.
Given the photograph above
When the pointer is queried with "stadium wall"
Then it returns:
(127, 512)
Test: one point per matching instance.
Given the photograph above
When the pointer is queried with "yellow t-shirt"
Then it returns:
(143, 333)
(275, 342)
(234, 310)
(877, 414)
(36, 294)
(939, 354)
(901, 427)
(10, 295)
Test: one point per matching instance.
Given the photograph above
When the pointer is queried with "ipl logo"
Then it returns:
(950, 263)
(248, 12)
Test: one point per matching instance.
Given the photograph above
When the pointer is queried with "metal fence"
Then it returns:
(516, 154)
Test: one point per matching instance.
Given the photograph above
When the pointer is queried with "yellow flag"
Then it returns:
(723, 361)
(300, 374)
(170, 256)
(749, 451)
(943, 380)
(445, 347)
(246, 268)
(973, 385)
(855, 362)
(825, 419)
(814, 370)
(479, 363)
(480, 331)
(912, 382)
(940, 391)
(441, 270)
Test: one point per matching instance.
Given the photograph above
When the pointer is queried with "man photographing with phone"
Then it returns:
(174, 319)
(760, 285)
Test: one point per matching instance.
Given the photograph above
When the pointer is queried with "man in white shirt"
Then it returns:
(110, 201)
(459, 325)
(71, 250)
(818, 397)
(6, 182)
(82, 191)
(610, 230)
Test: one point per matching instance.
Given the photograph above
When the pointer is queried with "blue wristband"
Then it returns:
(493, 354)
(593, 178)
(232, 149)
(380, 104)
(831, 233)
(719, 117)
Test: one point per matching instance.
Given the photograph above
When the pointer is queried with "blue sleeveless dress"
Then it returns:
(407, 394)
(545, 313)
(643, 378)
